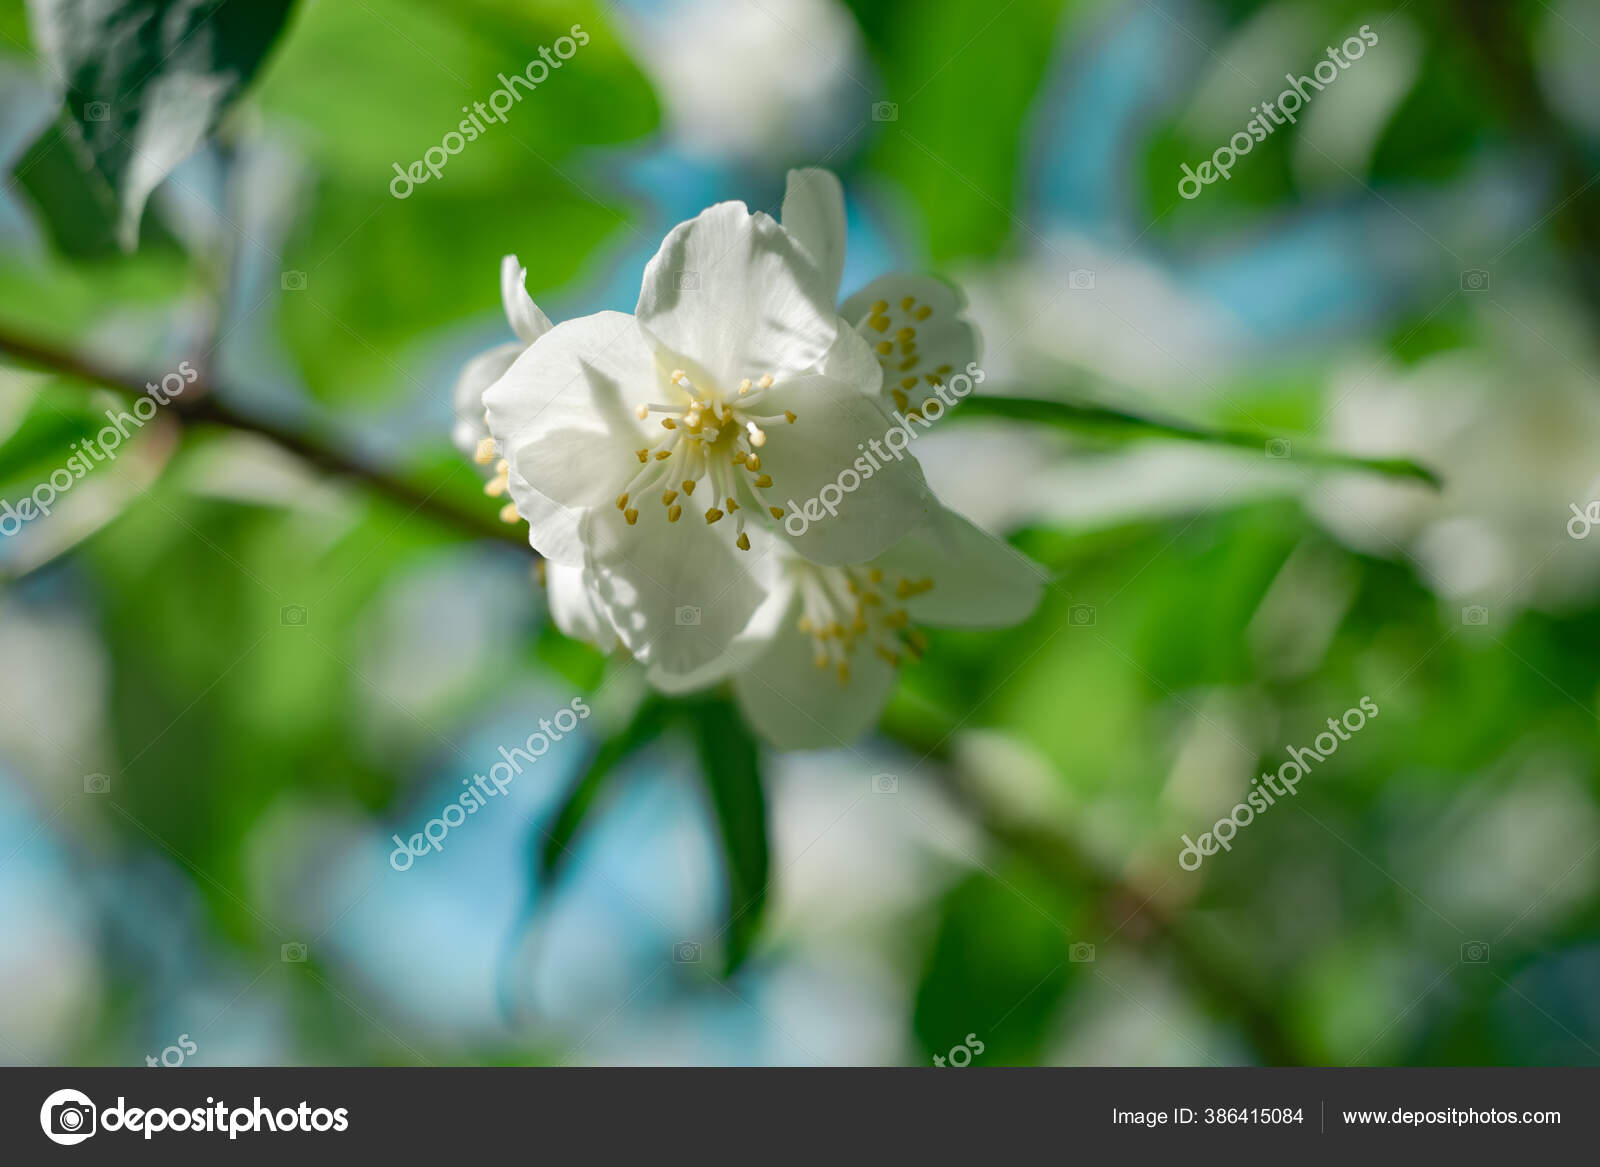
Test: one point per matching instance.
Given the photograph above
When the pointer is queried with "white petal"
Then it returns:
(979, 580)
(552, 528)
(796, 705)
(466, 399)
(573, 607)
(732, 295)
(838, 453)
(563, 413)
(527, 321)
(941, 344)
(813, 212)
(677, 593)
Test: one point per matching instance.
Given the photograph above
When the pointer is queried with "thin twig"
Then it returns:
(201, 405)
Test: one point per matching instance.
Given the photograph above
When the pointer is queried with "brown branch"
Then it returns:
(203, 406)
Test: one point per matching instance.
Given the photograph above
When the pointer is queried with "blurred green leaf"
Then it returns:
(959, 80)
(730, 758)
(998, 969)
(147, 80)
(1098, 418)
(377, 85)
(645, 727)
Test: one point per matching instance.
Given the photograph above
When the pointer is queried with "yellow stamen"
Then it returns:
(743, 541)
(632, 515)
(713, 515)
(764, 481)
(508, 513)
(775, 512)
(484, 454)
(674, 512)
(622, 501)
(668, 497)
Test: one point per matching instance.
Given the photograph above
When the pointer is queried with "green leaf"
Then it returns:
(1000, 964)
(380, 84)
(38, 427)
(146, 80)
(1103, 420)
(731, 761)
(960, 79)
(75, 208)
(648, 721)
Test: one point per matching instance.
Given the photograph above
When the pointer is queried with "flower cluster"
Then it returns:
(649, 453)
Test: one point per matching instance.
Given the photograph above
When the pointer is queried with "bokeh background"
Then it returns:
(227, 678)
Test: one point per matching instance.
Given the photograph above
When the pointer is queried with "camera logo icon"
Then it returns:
(97, 784)
(885, 111)
(1474, 952)
(686, 281)
(687, 616)
(68, 1117)
(1474, 279)
(686, 952)
(1474, 614)
(885, 784)
(292, 616)
(293, 952)
(294, 281)
(1080, 279)
(1081, 615)
(1081, 953)
(96, 111)
(1277, 447)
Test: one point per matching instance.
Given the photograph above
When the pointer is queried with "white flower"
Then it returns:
(828, 643)
(732, 381)
(471, 430)
(912, 322)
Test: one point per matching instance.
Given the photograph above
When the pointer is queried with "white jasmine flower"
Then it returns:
(827, 645)
(732, 381)
(913, 322)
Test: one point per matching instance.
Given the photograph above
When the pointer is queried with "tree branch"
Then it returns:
(202, 406)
